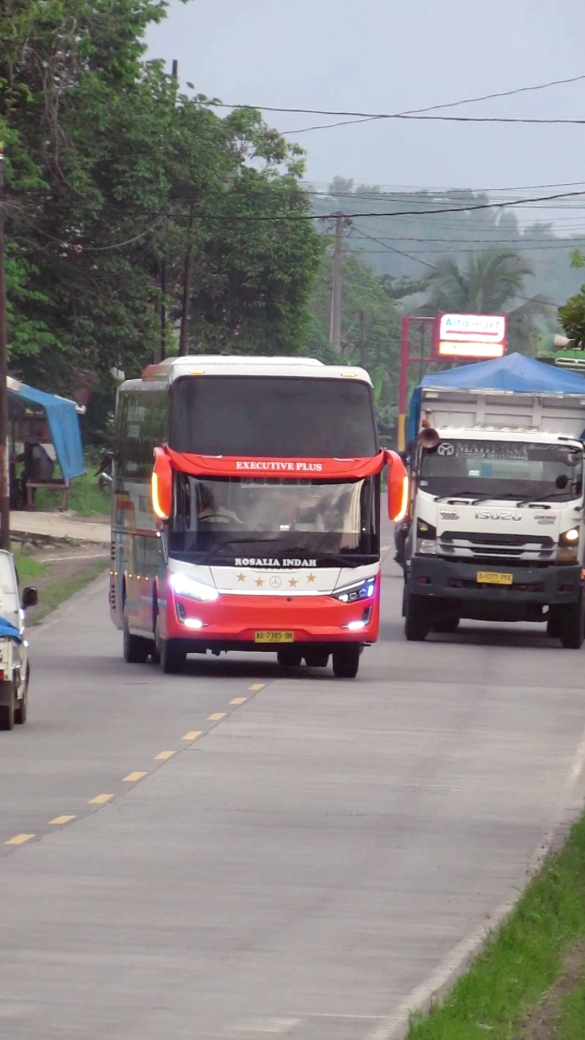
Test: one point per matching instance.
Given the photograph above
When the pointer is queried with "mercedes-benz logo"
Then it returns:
(446, 449)
(275, 582)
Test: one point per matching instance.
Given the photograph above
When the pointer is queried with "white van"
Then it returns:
(14, 663)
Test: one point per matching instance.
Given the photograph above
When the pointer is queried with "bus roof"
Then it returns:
(243, 365)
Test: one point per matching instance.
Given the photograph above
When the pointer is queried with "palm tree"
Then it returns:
(490, 283)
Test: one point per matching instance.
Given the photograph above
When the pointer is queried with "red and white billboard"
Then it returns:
(477, 336)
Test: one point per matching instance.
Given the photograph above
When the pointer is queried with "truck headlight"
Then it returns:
(183, 585)
(568, 550)
(426, 538)
(356, 591)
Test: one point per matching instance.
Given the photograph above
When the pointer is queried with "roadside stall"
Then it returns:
(45, 444)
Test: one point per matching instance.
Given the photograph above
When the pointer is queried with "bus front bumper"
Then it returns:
(246, 621)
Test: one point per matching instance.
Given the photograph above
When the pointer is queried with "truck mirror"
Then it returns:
(30, 597)
(397, 487)
(162, 485)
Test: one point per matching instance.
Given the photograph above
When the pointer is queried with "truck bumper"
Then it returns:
(450, 580)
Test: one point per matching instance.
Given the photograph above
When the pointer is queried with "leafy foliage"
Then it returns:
(113, 177)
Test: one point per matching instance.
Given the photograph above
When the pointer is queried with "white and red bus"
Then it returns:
(256, 525)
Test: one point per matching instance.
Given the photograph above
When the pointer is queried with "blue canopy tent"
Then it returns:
(515, 373)
(62, 419)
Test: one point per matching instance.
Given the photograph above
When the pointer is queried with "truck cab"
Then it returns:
(497, 504)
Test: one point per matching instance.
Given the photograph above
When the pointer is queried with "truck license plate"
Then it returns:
(494, 578)
(274, 637)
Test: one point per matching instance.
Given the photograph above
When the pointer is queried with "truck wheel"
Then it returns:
(21, 709)
(317, 658)
(572, 624)
(7, 710)
(172, 656)
(447, 624)
(136, 649)
(417, 624)
(346, 661)
(289, 657)
(553, 625)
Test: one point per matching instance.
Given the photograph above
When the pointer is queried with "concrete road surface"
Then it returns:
(318, 856)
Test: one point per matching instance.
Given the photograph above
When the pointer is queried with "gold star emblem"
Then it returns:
(241, 577)
(259, 582)
(293, 583)
(311, 578)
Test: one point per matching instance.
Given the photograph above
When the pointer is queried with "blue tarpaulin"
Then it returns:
(63, 423)
(517, 373)
(8, 631)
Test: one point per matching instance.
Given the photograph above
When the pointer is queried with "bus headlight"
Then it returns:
(358, 590)
(568, 550)
(183, 585)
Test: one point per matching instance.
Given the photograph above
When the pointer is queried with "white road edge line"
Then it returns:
(421, 999)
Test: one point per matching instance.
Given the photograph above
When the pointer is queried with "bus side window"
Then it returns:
(120, 437)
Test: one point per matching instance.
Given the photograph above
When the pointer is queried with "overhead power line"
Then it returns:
(406, 112)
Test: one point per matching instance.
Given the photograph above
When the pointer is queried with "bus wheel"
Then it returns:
(289, 657)
(346, 661)
(172, 656)
(317, 658)
(136, 648)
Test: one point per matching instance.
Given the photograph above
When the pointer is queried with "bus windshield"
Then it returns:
(225, 518)
(502, 469)
(273, 416)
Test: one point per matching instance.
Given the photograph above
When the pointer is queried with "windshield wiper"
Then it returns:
(229, 541)
(336, 559)
(465, 494)
(540, 498)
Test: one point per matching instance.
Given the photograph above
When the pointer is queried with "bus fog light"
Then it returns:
(355, 626)
(193, 622)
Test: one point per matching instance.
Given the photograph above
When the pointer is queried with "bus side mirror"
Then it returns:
(397, 487)
(162, 485)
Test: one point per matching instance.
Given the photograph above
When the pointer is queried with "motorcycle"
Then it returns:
(104, 471)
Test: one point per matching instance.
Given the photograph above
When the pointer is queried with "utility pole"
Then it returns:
(186, 289)
(4, 476)
(335, 326)
(363, 349)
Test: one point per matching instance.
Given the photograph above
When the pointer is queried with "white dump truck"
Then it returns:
(496, 520)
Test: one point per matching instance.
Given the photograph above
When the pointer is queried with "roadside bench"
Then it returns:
(50, 485)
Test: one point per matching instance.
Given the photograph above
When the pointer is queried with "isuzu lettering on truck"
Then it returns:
(258, 527)
(497, 530)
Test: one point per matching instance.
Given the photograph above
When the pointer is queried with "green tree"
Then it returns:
(491, 282)
(112, 176)
(362, 295)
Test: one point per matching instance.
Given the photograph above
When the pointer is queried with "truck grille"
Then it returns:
(486, 545)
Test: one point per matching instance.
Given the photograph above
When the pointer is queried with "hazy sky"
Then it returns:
(380, 56)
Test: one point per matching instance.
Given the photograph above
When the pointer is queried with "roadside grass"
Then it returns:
(570, 1023)
(56, 592)
(521, 961)
(86, 497)
(53, 590)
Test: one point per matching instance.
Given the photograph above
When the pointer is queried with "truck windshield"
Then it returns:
(503, 469)
(224, 519)
(273, 416)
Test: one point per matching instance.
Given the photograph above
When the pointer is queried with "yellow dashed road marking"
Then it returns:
(63, 819)
(163, 756)
(217, 715)
(133, 777)
(100, 799)
(257, 686)
(19, 839)
(192, 735)
(239, 700)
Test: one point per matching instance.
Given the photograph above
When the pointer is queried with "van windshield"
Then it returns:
(502, 469)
